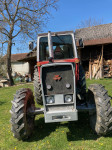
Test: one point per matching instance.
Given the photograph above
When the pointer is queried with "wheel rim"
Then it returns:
(29, 106)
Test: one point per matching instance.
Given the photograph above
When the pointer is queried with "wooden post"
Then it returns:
(101, 66)
(90, 68)
(79, 54)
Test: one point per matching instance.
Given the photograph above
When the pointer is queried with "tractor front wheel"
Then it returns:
(37, 88)
(101, 119)
(22, 123)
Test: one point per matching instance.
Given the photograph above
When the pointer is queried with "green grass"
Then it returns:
(53, 136)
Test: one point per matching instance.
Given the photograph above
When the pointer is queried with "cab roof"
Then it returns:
(53, 33)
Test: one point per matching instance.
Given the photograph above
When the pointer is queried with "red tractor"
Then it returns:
(60, 86)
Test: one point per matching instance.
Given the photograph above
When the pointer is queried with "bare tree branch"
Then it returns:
(16, 9)
(2, 28)
(5, 42)
(90, 22)
(7, 10)
(22, 16)
(17, 33)
(4, 33)
(5, 18)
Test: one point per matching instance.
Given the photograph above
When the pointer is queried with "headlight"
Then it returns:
(68, 98)
(49, 87)
(50, 100)
(68, 85)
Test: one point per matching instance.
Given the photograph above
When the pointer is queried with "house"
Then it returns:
(30, 58)
(19, 67)
(96, 56)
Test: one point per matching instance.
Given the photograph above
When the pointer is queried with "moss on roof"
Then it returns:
(95, 32)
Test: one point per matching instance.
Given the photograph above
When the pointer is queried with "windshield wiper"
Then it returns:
(60, 38)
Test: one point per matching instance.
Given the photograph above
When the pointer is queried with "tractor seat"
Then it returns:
(58, 53)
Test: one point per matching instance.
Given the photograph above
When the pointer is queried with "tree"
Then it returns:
(3, 71)
(89, 23)
(22, 16)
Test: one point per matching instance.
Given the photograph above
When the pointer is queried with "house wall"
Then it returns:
(32, 63)
(20, 67)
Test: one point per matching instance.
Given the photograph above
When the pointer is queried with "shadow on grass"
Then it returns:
(42, 130)
(78, 130)
(1, 102)
(81, 130)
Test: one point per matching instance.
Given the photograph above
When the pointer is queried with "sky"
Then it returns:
(70, 13)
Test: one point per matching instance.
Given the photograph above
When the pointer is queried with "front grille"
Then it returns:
(58, 76)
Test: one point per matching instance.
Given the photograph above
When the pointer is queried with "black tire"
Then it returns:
(81, 85)
(22, 123)
(37, 88)
(101, 119)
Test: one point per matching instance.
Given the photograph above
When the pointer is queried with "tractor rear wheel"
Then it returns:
(37, 88)
(81, 85)
(101, 119)
(22, 123)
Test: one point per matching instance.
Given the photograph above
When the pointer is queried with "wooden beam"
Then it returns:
(79, 55)
(101, 66)
(96, 41)
(90, 68)
(98, 67)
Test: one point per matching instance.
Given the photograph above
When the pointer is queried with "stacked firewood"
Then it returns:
(107, 68)
(96, 66)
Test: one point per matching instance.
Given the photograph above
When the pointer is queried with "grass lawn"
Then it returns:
(53, 136)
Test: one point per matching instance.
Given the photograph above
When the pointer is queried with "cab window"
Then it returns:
(62, 47)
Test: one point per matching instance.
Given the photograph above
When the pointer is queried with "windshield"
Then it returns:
(62, 47)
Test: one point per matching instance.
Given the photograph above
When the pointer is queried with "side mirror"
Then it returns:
(81, 44)
(31, 45)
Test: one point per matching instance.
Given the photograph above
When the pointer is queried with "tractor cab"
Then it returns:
(58, 46)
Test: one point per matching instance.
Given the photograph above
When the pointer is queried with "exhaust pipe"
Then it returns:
(50, 45)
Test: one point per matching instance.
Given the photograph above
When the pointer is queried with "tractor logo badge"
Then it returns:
(57, 77)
